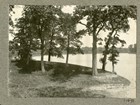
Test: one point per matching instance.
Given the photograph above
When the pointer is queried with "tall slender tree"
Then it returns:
(113, 50)
(96, 17)
(71, 35)
(54, 32)
(118, 21)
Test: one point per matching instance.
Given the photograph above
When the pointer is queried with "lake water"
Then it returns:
(126, 66)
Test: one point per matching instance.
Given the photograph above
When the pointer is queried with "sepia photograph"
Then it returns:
(83, 51)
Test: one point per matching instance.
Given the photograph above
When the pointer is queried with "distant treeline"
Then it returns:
(88, 50)
(130, 49)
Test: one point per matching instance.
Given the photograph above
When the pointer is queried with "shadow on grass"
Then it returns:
(56, 70)
(52, 91)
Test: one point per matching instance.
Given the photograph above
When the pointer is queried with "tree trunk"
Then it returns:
(49, 56)
(28, 59)
(94, 55)
(113, 71)
(29, 56)
(67, 56)
(50, 47)
(104, 62)
(42, 58)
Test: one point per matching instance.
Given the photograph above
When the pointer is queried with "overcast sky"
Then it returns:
(129, 37)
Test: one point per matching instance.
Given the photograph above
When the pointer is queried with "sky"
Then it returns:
(129, 37)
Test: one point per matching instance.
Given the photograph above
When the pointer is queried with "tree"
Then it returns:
(24, 42)
(71, 35)
(96, 17)
(36, 29)
(67, 28)
(31, 28)
(54, 34)
(113, 54)
(117, 21)
(41, 19)
(113, 50)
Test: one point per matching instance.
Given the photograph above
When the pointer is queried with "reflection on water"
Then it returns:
(125, 67)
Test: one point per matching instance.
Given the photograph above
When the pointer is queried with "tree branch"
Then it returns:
(100, 29)
(86, 26)
(82, 24)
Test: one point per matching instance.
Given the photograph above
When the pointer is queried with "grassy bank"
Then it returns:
(61, 80)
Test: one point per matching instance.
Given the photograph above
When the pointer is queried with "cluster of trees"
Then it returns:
(52, 31)
(48, 29)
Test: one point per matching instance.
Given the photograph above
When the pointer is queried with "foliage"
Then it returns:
(96, 17)
(71, 35)
(113, 55)
(11, 7)
(24, 40)
(49, 29)
(118, 21)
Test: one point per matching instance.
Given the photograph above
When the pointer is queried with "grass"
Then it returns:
(61, 80)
